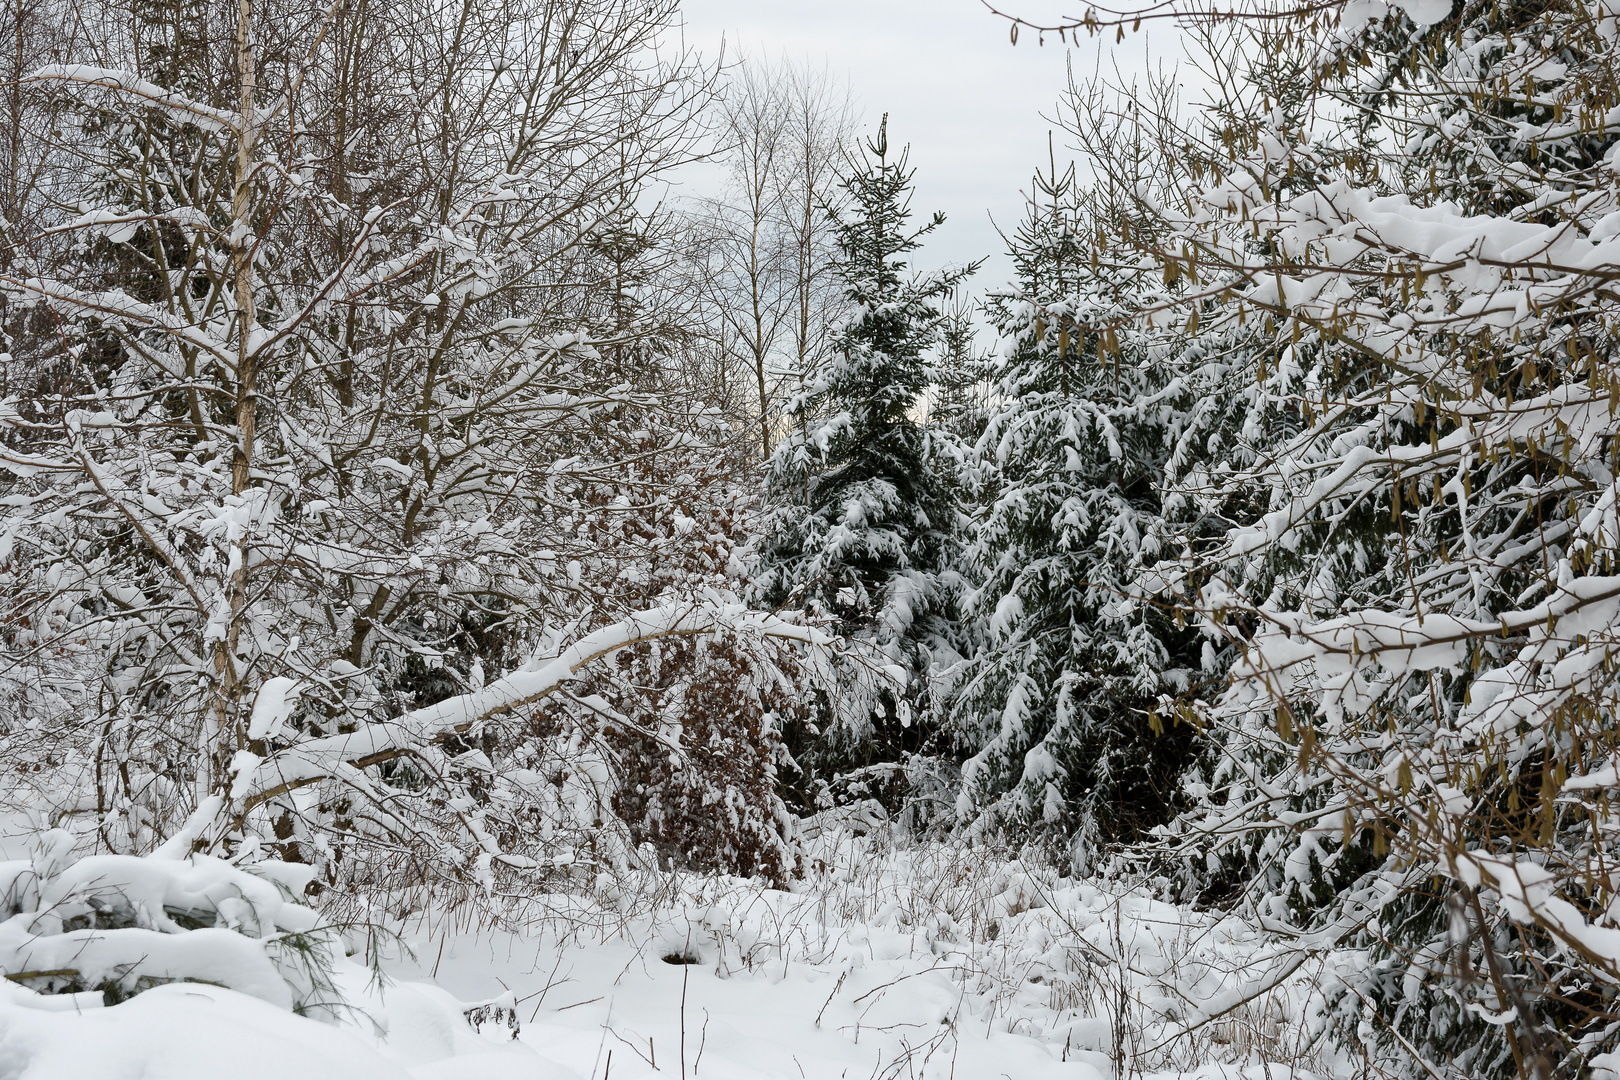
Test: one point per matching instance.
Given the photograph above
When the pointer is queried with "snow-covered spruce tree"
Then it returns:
(1055, 710)
(1415, 755)
(329, 420)
(957, 404)
(862, 530)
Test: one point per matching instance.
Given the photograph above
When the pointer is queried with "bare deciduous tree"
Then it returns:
(346, 409)
(785, 128)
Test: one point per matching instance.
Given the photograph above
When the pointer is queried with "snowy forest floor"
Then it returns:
(887, 962)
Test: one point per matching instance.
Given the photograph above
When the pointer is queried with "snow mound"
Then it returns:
(120, 925)
(193, 968)
(192, 1031)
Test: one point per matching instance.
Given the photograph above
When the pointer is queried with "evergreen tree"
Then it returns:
(959, 406)
(1054, 709)
(862, 528)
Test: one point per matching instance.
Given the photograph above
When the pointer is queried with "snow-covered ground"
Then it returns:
(914, 962)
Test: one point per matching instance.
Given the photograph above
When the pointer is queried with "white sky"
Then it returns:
(970, 103)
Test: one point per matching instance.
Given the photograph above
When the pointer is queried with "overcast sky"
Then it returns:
(970, 103)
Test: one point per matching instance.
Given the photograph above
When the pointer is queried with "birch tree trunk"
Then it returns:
(228, 733)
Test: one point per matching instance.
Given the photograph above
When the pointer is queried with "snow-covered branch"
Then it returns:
(304, 763)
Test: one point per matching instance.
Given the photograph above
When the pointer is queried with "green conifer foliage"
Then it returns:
(1054, 710)
(863, 521)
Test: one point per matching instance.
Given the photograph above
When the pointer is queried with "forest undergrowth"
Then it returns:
(919, 946)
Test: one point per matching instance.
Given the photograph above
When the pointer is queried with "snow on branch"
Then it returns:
(133, 86)
(258, 781)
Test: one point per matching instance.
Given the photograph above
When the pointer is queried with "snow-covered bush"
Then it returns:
(118, 924)
(1393, 244)
(710, 802)
(692, 727)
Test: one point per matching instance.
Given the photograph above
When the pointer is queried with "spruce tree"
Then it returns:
(1054, 708)
(862, 526)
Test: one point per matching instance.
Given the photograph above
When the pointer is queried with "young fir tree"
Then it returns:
(862, 527)
(959, 404)
(1055, 708)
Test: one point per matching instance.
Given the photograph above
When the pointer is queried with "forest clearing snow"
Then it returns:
(899, 963)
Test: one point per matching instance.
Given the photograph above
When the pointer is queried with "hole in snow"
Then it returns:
(679, 957)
